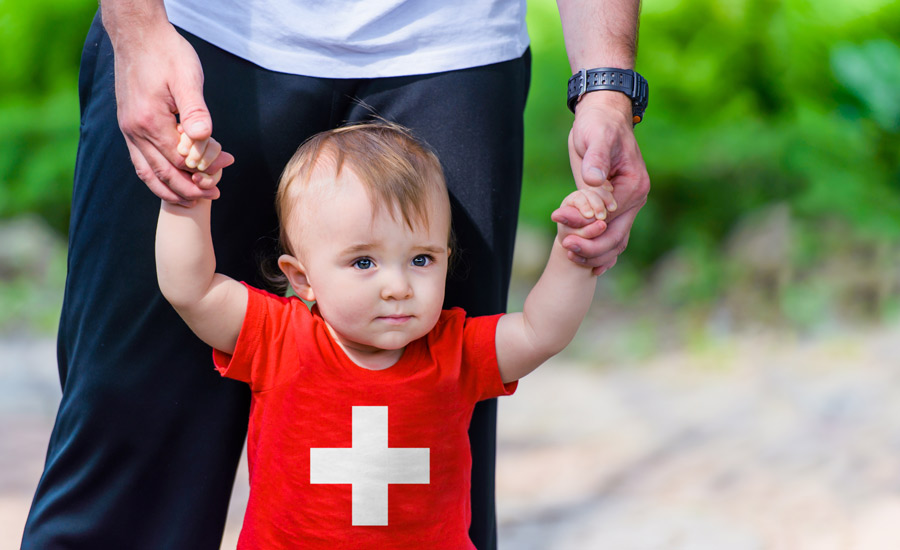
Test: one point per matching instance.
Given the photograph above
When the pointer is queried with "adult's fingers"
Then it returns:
(221, 162)
(606, 261)
(178, 181)
(224, 160)
(600, 270)
(570, 216)
(631, 183)
(210, 178)
(590, 231)
(598, 267)
(610, 244)
(146, 174)
(208, 181)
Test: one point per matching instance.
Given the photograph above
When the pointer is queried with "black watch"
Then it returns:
(626, 81)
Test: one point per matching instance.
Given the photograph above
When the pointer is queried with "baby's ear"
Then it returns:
(296, 276)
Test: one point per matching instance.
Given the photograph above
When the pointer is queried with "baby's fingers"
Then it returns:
(580, 202)
(184, 143)
(212, 151)
(196, 154)
(588, 202)
(595, 197)
(605, 192)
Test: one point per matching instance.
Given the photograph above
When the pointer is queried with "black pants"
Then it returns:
(148, 436)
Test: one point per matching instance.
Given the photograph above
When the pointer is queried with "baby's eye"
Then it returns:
(363, 263)
(422, 260)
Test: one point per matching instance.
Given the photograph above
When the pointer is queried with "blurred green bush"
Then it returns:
(40, 48)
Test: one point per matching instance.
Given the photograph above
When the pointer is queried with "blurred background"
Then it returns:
(735, 385)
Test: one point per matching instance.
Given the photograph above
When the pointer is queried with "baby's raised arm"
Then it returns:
(556, 306)
(212, 304)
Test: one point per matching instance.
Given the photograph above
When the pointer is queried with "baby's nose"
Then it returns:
(396, 287)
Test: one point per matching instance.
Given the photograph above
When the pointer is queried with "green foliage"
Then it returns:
(871, 72)
(40, 48)
(752, 103)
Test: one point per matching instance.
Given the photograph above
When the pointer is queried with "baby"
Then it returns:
(361, 403)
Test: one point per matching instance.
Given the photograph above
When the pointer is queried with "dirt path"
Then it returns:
(753, 444)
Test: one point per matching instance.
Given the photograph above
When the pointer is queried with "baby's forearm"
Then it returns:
(185, 259)
(556, 306)
(553, 311)
(212, 304)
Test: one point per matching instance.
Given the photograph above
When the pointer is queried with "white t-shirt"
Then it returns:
(359, 38)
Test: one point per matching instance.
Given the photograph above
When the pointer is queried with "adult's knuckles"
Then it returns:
(140, 124)
(193, 109)
(145, 174)
(643, 185)
(173, 177)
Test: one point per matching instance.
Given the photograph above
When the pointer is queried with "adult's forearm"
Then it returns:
(132, 21)
(600, 33)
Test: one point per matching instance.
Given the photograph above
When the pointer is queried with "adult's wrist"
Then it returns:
(626, 82)
(607, 101)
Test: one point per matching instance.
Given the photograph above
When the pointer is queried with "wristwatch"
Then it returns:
(626, 81)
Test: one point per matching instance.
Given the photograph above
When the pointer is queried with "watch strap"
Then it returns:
(626, 81)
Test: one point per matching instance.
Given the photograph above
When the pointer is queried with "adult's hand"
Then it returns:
(158, 77)
(602, 148)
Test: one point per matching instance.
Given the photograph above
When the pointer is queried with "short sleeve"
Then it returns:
(266, 341)
(479, 356)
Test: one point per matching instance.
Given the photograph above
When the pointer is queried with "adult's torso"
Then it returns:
(359, 38)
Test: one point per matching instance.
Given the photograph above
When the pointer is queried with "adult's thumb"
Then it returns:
(197, 124)
(595, 165)
(192, 112)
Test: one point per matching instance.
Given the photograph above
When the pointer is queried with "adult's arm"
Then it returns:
(602, 145)
(158, 76)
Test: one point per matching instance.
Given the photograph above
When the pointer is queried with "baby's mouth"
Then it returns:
(396, 319)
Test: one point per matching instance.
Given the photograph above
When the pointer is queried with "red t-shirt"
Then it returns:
(345, 457)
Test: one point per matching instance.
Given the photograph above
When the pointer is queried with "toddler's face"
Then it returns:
(378, 284)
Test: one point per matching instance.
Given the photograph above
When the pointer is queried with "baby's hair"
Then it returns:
(399, 172)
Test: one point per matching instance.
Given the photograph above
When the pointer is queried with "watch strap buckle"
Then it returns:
(583, 75)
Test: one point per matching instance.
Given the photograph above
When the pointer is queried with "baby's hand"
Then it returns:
(206, 157)
(592, 205)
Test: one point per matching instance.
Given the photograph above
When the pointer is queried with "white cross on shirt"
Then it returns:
(369, 465)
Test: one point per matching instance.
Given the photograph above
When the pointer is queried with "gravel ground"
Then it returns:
(755, 443)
